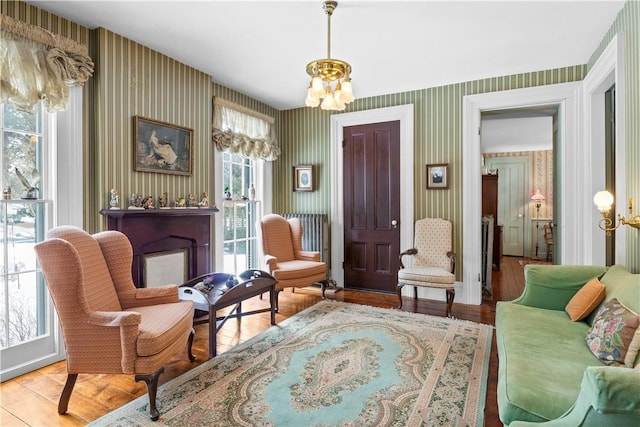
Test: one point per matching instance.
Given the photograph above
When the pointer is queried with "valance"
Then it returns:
(237, 129)
(37, 65)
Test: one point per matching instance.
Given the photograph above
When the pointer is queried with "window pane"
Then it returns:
(21, 121)
(25, 319)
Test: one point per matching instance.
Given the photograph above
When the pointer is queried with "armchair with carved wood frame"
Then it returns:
(433, 261)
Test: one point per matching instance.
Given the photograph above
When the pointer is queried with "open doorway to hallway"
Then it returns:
(517, 148)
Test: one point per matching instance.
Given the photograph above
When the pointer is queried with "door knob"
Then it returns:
(394, 223)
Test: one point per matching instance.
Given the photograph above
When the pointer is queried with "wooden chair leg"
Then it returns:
(399, 288)
(192, 334)
(152, 389)
(451, 293)
(63, 404)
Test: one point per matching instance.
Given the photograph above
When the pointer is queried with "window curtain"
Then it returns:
(243, 131)
(36, 65)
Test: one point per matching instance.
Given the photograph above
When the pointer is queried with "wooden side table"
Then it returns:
(226, 290)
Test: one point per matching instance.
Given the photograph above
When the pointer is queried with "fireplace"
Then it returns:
(169, 245)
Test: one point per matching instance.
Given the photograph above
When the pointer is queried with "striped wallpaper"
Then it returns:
(437, 134)
(35, 16)
(131, 80)
(628, 23)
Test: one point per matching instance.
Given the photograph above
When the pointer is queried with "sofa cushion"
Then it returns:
(623, 285)
(586, 300)
(612, 331)
(531, 387)
(634, 351)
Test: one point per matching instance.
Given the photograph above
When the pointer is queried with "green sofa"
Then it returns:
(546, 372)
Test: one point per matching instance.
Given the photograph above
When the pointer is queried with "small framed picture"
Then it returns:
(162, 147)
(438, 176)
(303, 178)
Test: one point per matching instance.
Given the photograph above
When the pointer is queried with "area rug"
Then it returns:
(334, 364)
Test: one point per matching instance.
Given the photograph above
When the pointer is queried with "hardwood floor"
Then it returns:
(32, 399)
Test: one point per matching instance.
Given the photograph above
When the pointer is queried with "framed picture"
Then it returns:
(162, 147)
(438, 176)
(303, 178)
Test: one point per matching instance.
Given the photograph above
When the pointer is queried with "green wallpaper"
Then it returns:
(35, 16)
(437, 137)
(628, 23)
(131, 80)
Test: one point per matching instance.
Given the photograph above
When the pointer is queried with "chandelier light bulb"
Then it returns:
(310, 101)
(329, 102)
(317, 88)
(347, 91)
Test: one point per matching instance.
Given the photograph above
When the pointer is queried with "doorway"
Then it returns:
(569, 152)
(371, 174)
(405, 115)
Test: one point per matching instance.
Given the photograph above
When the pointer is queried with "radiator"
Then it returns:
(487, 253)
(315, 233)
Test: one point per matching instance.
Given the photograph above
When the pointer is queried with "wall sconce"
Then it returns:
(604, 200)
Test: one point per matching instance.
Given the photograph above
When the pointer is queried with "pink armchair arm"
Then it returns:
(271, 262)
(308, 255)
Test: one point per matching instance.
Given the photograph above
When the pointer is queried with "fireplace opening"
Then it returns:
(166, 268)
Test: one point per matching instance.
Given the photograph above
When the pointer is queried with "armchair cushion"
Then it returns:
(161, 326)
(435, 276)
(298, 269)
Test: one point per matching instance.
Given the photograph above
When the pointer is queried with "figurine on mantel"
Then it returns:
(192, 201)
(162, 201)
(204, 200)
(147, 203)
(135, 201)
(114, 199)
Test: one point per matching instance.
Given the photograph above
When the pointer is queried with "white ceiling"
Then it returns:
(261, 48)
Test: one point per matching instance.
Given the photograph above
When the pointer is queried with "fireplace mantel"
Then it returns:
(154, 231)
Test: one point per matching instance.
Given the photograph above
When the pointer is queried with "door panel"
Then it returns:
(513, 198)
(371, 203)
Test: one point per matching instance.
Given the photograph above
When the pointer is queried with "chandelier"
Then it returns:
(325, 72)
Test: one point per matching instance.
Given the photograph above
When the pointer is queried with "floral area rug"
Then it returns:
(334, 364)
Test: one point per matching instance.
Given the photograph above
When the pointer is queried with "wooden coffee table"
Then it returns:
(226, 290)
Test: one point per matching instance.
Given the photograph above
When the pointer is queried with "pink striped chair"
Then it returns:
(109, 325)
(284, 258)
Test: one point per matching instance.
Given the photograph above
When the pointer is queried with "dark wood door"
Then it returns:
(371, 177)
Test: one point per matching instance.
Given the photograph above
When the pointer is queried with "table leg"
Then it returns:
(213, 330)
(272, 297)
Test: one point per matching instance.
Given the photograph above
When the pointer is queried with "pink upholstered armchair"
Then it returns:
(109, 325)
(284, 258)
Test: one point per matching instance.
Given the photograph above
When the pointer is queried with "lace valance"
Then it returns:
(37, 65)
(239, 130)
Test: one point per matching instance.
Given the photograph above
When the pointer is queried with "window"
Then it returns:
(239, 213)
(23, 307)
(245, 142)
(52, 145)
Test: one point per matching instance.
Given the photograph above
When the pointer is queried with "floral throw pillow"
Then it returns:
(612, 332)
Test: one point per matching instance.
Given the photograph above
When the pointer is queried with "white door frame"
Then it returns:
(607, 71)
(403, 113)
(570, 184)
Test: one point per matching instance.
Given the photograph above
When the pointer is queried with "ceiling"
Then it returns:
(261, 48)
